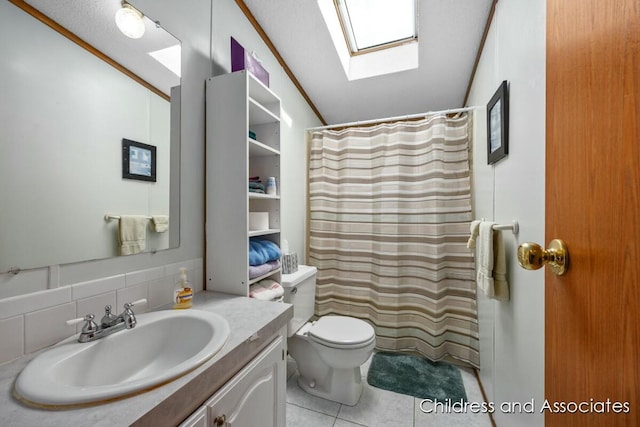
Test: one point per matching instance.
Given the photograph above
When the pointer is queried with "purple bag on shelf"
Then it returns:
(243, 60)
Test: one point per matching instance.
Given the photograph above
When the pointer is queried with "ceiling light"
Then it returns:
(129, 21)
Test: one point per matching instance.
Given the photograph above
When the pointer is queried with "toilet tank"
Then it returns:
(300, 291)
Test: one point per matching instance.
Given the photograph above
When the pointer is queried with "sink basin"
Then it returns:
(163, 346)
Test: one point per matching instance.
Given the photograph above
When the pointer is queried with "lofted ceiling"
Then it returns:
(450, 34)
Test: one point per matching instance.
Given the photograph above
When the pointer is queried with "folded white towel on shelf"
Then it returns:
(160, 223)
(273, 286)
(267, 290)
(491, 263)
(132, 234)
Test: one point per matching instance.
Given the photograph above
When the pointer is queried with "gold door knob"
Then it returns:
(532, 256)
(220, 420)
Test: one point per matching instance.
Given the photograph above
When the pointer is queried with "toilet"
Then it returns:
(328, 351)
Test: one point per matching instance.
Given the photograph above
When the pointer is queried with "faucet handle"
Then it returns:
(80, 319)
(128, 305)
(128, 316)
(89, 326)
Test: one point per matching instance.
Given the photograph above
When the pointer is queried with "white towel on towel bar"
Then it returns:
(500, 284)
(491, 263)
(132, 234)
(474, 230)
(160, 223)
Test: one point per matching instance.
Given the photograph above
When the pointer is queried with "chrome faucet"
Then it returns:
(109, 323)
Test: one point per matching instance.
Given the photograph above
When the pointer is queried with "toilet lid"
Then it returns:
(342, 331)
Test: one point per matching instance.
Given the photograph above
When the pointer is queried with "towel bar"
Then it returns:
(514, 227)
(109, 217)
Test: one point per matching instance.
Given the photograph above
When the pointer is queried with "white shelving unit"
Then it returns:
(236, 104)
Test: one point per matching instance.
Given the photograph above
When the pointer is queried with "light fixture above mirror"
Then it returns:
(129, 21)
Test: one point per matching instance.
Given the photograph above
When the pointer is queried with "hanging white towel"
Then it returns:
(500, 284)
(132, 234)
(474, 229)
(485, 258)
(160, 223)
(491, 263)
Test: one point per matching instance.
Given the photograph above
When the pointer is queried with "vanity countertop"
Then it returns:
(252, 323)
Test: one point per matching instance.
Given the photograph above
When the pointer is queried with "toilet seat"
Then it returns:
(342, 332)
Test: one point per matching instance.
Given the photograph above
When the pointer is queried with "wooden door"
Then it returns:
(592, 314)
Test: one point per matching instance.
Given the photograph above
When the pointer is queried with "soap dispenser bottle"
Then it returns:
(183, 295)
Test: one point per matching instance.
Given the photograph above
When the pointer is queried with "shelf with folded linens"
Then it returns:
(267, 290)
(263, 250)
(264, 258)
(243, 152)
(263, 171)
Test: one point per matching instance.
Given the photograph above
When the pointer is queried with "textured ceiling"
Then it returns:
(450, 32)
(94, 22)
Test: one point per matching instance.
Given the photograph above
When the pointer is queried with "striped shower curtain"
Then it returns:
(389, 214)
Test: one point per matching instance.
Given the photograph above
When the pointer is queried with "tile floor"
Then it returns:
(376, 408)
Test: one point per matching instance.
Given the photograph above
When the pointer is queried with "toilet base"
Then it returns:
(345, 386)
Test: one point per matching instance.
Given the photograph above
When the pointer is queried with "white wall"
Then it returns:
(512, 333)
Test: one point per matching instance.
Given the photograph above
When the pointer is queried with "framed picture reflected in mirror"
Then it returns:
(138, 161)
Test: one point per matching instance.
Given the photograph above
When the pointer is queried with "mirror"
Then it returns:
(64, 112)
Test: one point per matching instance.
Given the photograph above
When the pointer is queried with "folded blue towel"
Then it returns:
(272, 250)
(257, 253)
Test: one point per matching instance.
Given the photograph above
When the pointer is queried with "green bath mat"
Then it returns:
(416, 376)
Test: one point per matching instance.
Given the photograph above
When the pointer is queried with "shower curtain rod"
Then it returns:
(396, 118)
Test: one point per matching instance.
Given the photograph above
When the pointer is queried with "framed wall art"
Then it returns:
(498, 124)
(138, 161)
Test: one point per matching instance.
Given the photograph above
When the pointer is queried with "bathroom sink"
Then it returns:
(163, 346)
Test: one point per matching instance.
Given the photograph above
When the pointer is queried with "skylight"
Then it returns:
(370, 24)
(386, 50)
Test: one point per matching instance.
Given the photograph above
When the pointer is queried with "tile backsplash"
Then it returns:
(37, 320)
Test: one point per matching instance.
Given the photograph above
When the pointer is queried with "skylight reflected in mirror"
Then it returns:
(376, 23)
(170, 57)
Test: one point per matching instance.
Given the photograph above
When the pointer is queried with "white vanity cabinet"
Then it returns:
(255, 396)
